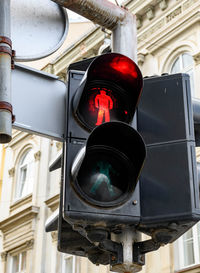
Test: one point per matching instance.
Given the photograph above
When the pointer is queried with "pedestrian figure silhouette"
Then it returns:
(103, 177)
(104, 103)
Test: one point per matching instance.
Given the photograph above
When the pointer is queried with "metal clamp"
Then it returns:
(7, 50)
(7, 106)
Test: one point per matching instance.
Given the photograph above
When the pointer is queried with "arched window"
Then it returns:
(184, 63)
(25, 173)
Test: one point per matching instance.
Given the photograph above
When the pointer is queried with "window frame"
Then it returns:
(190, 69)
(22, 164)
(179, 245)
(11, 262)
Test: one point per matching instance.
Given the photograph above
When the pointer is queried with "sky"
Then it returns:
(73, 17)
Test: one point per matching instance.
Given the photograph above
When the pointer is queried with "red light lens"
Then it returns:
(100, 104)
(125, 66)
(110, 91)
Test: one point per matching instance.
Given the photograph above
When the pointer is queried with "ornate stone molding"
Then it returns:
(29, 243)
(150, 12)
(196, 58)
(173, 14)
(163, 4)
(11, 172)
(4, 256)
(139, 21)
(141, 58)
(19, 203)
(21, 223)
(37, 156)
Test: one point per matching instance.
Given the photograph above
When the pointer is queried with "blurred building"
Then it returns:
(168, 42)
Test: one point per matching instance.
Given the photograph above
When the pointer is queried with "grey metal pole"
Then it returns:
(124, 37)
(5, 73)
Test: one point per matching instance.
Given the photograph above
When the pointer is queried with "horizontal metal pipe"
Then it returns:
(121, 22)
(101, 12)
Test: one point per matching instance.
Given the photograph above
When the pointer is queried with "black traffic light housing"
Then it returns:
(165, 202)
(102, 167)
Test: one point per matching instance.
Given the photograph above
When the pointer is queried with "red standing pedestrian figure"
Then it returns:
(104, 103)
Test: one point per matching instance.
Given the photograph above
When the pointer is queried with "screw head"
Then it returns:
(134, 202)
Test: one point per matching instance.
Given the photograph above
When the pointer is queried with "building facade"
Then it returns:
(168, 42)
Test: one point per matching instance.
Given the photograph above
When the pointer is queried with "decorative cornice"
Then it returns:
(21, 246)
(19, 229)
(18, 218)
(161, 32)
(21, 202)
(173, 14)
(53, 202)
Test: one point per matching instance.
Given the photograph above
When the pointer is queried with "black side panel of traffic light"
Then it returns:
(169, 191)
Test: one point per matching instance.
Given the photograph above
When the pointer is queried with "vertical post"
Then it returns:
(5, 73)
(124, 37)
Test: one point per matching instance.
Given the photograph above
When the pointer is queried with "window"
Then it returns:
(184, 63)
(24, 184)
(189, 248)
(17, 263)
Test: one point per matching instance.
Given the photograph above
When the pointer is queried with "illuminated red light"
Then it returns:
(104, 104)
(124, 66)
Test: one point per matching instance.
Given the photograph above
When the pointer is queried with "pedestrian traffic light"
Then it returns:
(103, 154)
(104, 157)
